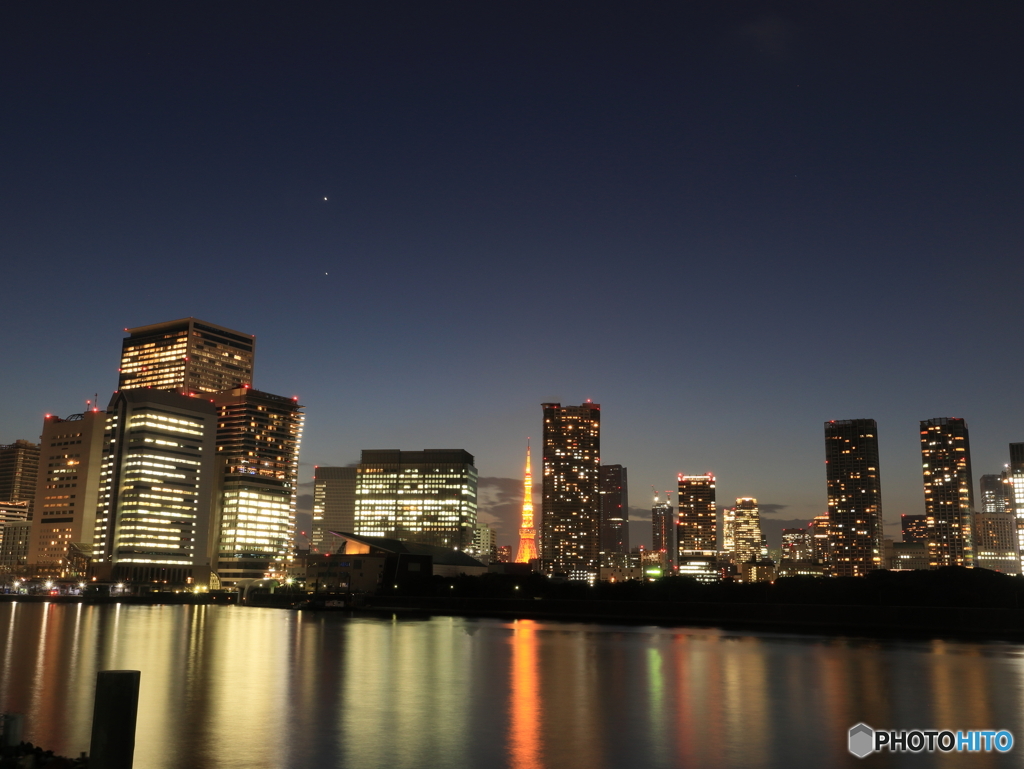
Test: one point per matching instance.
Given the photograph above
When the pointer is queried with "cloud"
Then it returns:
(639, 513)
(500, 505)
(770, 509)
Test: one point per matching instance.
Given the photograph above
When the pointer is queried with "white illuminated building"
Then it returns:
(258, 440)
(154, 520)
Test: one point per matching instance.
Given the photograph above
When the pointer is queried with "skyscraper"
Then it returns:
(854, 496)
(663, 528)
(67, 488)
(697, 522)
(527, 532)
(19, 469)
(258, 438)
(1016, 477)
(728, 538)
(571, 508)
(614, 509)
(996, 493)
(747, 530)
(948, 491)
(334, 507)
(797, 545)
(417, 496)
(186, 356)
(817, 530)
(995, 526)
(155, 518)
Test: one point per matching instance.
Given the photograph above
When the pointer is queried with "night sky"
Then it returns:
(724, 222)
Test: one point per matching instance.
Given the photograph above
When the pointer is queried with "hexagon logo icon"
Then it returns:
(862, 740)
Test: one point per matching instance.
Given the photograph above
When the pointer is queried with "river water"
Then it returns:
(226, 686)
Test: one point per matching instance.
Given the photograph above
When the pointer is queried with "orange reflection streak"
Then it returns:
(524, 728)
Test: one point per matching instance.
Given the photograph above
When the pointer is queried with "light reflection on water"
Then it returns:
(263, 688)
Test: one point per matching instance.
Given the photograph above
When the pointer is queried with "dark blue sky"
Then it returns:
(725, 222)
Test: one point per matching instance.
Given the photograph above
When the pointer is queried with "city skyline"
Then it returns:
(639, 514)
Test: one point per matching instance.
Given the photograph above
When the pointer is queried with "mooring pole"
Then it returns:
(13, 723)
(113, 719)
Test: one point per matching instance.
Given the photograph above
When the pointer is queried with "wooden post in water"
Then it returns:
(13, 723)
(113, 719)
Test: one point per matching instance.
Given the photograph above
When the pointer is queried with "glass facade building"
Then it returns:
(1016, 477)
(186, 356)
(614, 509)
(19, 472)
(417, 496)
(663, 529)
(747, 539)
(258, 440)
(154, 520)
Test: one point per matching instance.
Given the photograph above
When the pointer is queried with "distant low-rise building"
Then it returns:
(908, 556)
(701, 565)
(621, 573)
(793, 568)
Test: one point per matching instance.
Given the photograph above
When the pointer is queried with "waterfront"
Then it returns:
(226, 686)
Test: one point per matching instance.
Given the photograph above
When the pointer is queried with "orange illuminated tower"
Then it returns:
(527, 545)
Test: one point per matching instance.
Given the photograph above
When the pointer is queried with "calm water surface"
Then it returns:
(227, 686)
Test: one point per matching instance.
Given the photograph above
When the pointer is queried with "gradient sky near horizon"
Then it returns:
(725, 222)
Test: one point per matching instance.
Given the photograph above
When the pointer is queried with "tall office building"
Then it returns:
(154, 519)
(663, 528)
(1016, 477)
(334, 507)
(19, 470)
(697, 521)
(67, 489)
(797, 545)
(996, 545)
(995, 542)
(614, 509)
(527, 530)
(727, 541)
(417, 496)
(817, 530)
(747, 530)
(996, 493)
(854, 496)
(571, 507)
(258, 437)
(948, 491)
(186, 356)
